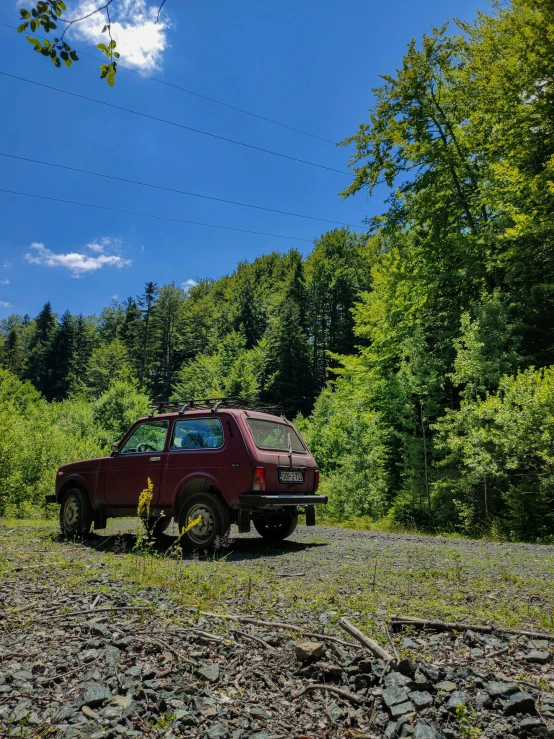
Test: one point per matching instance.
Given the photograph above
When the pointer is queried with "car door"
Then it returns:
(140, 458)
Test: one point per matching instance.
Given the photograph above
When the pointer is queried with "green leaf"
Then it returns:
(116, 54)
(64, 55)
(34, 25)
(68, 62)
(112, 44)
(111, 79)
(33, 41)
(73, 55)
(47, 43)
(22, 27)
(102, 47)
(25, 13)
(62, 5)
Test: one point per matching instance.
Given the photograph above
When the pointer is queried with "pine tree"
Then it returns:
(129, 333)
(146, 303)
(38, 368)
(61, 358)
(13, 354)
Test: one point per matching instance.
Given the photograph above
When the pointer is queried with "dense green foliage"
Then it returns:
(420, 354)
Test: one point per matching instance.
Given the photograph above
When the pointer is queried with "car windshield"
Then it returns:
(274, 435)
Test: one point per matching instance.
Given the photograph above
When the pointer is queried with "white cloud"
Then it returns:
(77, 264)
(7, 264)
(3, 304)
(188, 285)
(140, 40)
(4, 282)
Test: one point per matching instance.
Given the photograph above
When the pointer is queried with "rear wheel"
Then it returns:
(211, 518)
(276, 528)
(156, 527)
(76, 514)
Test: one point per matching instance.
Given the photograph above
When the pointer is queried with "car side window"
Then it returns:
(148, 437)
(197, 433)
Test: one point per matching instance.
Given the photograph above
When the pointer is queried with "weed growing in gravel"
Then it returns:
(465, 717)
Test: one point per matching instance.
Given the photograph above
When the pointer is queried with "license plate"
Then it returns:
(291, 476)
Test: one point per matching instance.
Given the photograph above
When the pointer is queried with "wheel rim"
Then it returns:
(71, 513)
(204, 529)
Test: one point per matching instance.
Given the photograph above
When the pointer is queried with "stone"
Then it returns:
(457, 699)
(476, 653)
(394, 695)
(98, 629)
(22, 675)
(217, 731)
(531, 725)
(539, 644)
(421, 699)
(519, 703)
(397, 678)
(310, 651)
(498, 689)
(421, 682)
(424, 731)
(390, 731)
(90, 655)
(471, 638)
(209, 671)
(432, 672)
(259, 735)
(258, 712)
(88, 712)
(95, 695)
(446, 686)
(537, 657)
(407, 667)
(401, 708)
(482, 701)
(33, 719)
(408, 643)
(335, 711)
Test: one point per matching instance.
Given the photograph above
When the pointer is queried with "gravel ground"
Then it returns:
(114, 636)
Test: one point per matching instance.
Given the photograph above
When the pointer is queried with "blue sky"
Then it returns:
(309, 64)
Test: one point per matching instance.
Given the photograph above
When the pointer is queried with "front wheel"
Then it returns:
(202, 519)
(76, 513)
(276, 528)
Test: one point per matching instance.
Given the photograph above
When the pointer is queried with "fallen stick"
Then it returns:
(498, 652)
(275, 625)
(105, 610)
(95, 602)
(446, 626)
(254, 638)
(290, 574)
(333, 689)
(368, 643)
(438, 625)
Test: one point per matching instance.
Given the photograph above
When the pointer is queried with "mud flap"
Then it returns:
(310, 515)
(244, 522)
(100, 520)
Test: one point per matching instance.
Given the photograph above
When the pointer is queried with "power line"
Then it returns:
(196, 94)
(174, 123)
(152, 215)
(171, 189)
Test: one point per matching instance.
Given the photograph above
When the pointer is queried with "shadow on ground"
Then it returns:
(233, 550)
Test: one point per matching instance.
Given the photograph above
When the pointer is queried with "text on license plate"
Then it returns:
(291, 476)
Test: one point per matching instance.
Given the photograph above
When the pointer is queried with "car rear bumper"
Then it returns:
(279, 501)
(51, 498)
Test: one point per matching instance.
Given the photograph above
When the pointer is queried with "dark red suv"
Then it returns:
(209, 462)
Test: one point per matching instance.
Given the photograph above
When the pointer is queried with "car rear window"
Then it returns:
(274, 435)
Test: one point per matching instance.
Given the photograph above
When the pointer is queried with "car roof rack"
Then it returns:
(210, 404)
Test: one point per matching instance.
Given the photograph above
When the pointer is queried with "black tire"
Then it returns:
(156, 527)
(276, 528)
(76, 514)
(216, 521)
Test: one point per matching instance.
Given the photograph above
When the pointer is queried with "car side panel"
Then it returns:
(228, 468)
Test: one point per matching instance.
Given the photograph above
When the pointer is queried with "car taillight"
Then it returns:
(316, 480)
(258, 483)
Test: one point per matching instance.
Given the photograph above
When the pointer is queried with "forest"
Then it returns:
(416, 355)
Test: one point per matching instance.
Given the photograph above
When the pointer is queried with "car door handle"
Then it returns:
(155, 459)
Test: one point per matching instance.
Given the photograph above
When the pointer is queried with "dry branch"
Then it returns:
(446, 626)
(368, 643)
(333, 689)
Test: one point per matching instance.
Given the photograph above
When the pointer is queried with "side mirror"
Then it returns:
(115, 449)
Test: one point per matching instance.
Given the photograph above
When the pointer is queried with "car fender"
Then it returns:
(195, 482)
(85, 480)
